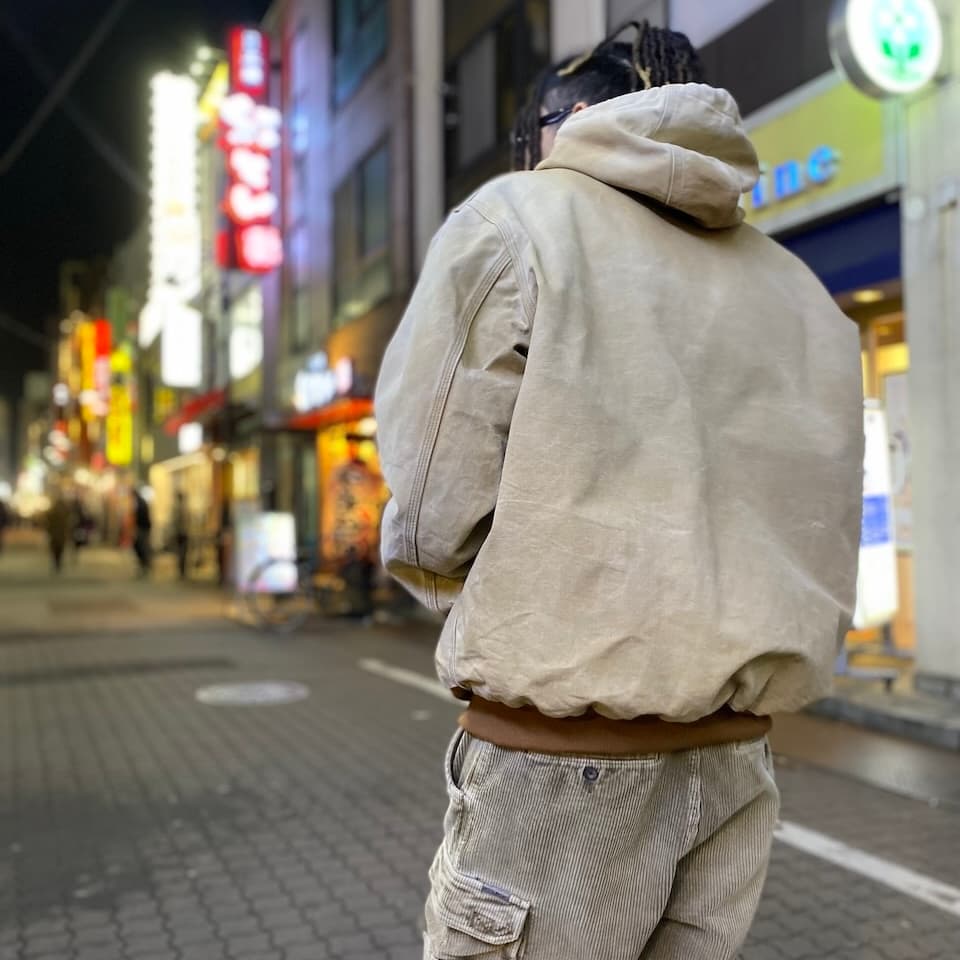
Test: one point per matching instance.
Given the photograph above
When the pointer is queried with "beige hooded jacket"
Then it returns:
(623, 432)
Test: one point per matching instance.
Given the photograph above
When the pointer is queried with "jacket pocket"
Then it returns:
(470, 917)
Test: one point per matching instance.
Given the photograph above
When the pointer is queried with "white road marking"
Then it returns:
(409, 677)
(937, 894)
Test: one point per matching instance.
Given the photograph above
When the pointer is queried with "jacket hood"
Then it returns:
(682, 145)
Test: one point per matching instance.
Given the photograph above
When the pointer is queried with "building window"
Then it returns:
(374, 203)
(360, 30)
(488, 83)
(361, 224)
(297, 271)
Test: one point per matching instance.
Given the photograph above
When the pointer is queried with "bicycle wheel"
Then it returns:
(279, 594)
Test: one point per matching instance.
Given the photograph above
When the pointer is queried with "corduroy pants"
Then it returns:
(559, 858)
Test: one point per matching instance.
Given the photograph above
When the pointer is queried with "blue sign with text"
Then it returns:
(877, 528)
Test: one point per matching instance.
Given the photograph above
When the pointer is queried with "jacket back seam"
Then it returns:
(449, 369)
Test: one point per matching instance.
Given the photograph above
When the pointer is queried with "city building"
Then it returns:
(373, 155)
(348, 268)
(33, 438)
(371, 119)
(6, 445)
(862, 188)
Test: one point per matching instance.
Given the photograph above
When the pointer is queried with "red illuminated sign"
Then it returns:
(249, 62)
(101, 365)
(250, 132)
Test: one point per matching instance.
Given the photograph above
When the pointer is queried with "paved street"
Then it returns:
(137, 823)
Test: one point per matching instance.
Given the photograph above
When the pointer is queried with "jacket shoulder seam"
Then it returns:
(509, 242)
(437, 408)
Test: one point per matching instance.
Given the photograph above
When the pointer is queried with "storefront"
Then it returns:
(192, 475)
(830, 192)
(336, 488)
(353, 492)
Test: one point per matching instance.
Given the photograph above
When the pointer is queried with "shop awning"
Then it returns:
(199, 408)
(340, 411)
(861, 250)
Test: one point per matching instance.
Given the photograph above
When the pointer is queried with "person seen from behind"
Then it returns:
(623, 435)
(142, 527)
(59, 523)
(81, 525)
(181, 533)
(5, 520)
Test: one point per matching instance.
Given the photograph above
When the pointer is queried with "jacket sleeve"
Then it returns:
(444, 402)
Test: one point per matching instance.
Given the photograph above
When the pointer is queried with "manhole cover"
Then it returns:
(252, 694)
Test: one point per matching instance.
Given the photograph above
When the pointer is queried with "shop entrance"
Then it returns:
(878, 312)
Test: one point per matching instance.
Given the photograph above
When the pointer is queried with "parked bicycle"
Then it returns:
(282, 593)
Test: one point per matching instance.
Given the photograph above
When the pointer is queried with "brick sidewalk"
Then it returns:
(142, 825)
(98, 591)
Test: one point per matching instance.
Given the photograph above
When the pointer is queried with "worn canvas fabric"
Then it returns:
(623, 431)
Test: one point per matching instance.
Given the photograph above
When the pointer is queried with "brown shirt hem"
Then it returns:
(591, 735)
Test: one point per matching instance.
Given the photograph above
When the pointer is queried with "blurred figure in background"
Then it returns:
(181, 533)
(4, 521)
(81, 526)
(142, 527)
(224, 543)
(59, 522)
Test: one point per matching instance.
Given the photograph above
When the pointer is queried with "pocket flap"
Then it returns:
(480, 911)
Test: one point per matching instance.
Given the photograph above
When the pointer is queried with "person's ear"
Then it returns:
(578, 106)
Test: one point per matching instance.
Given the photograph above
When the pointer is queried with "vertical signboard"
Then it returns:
(175, 251)
(877, 587)
(181, 359)
(250, 133)
(101, 363)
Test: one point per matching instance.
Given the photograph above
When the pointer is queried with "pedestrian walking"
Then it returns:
(81, 525)
(142, 527)
(224, 544)
(4, 522)
(623, 433)
(59, 523)
(181, 533)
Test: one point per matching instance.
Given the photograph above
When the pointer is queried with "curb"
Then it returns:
(898, 721)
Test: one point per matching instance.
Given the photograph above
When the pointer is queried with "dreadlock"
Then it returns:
(611, 69)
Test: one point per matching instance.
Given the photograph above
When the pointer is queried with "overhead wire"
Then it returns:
(43, 71)
(25, 333)
(62, 86)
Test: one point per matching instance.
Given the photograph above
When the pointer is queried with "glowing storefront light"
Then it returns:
(180, 353)
(877, 587)
(190, 438)
(250, 133)
(318, 384)
(887, 47)
(246, 333)
(175, 245)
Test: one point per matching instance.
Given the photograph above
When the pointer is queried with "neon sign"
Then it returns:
(793, 177)
(249, 62)
(887, 47)
(250, 132)
(318, 384)
(175, 236)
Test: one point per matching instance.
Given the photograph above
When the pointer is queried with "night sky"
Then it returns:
(61, 200)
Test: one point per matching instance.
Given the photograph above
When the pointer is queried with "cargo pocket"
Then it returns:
(470, 918)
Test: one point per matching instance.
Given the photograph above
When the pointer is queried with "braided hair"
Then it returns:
(611, 69)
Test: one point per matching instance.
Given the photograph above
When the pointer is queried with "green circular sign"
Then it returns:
(887, 47)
